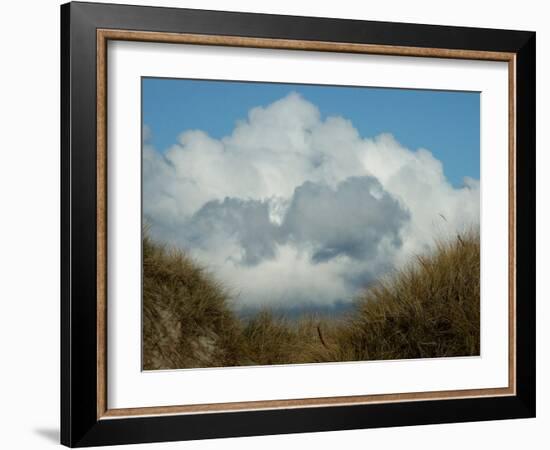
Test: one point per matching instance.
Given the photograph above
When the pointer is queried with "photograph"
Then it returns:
(298, 223)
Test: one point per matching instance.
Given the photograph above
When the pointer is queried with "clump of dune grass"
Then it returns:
(187, 321)
(271, 338)
(429, 309)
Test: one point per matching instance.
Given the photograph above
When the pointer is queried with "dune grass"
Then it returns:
(187, 321)
(428, 309)
(271, 338)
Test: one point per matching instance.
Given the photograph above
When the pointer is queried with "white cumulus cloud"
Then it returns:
(293, 209)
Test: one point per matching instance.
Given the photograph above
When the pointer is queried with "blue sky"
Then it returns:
(446, 123)
(292, 208)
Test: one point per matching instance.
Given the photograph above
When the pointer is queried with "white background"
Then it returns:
(130, 387)
(29, 190)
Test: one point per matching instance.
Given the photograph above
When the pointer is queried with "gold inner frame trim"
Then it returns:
(104, 35)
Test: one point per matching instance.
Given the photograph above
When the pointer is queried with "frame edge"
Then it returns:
(77, 429)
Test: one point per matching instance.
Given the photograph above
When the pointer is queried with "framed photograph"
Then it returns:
(277, 224)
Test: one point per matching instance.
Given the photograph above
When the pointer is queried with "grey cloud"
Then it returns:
(350, 220)
(245, 221)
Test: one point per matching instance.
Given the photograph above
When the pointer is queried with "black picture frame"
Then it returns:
(80, 425)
